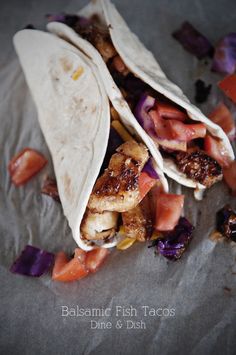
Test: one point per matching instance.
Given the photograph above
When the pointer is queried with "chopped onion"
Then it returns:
(32, 262)
(145, 104)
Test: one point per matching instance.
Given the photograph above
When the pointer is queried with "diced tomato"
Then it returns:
(61, 260)
(69, 270)
(223, 117)
(164, 133)
(95, 258)
(80, 254)
(169, 111)
(145, 183)
(187, 132)
(230, 176)
(25, 165)
(228, 86)
(161, 125)
(168, 211)
(216, 150)
(50, 188)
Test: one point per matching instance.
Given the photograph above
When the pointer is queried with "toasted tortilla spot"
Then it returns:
(67, 185)
(66, 64)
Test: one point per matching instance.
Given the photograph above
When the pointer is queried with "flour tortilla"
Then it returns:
(142, 64)
(74, 116)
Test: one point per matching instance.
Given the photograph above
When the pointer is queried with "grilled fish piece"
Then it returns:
(99, 226)
(118, 188)
(138, 221)
(199, 166)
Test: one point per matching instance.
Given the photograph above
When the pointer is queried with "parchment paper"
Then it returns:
(199, 289)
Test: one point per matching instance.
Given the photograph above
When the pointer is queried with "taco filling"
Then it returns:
(124, 197)
(184, 142)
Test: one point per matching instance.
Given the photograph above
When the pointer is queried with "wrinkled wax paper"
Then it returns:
(194, 299)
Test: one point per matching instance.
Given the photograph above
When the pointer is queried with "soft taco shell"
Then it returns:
(74, 115)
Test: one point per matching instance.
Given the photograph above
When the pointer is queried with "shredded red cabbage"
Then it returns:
(145, 104)
(224, 60)
(69, 20)
(32, 262)
(148, 168)
(174, 243)
(193, 41)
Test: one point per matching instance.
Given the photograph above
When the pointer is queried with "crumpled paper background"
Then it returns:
(200, 287)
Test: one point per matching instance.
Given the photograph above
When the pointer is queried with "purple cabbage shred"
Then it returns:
(149, 169)
(69, 20)
(174, 243)
(32, 262)
(193, 41)
(145, 104)
(224, 60)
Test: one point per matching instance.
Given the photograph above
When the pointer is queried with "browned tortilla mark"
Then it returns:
(67, 184)
(66, 65)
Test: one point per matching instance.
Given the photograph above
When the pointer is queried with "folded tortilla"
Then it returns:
(68, 110)
(74, 115)
(143, 65)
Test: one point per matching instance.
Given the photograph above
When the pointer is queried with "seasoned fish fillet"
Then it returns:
(199, 166)
(138, 221)
(118, 189)
(98, 226)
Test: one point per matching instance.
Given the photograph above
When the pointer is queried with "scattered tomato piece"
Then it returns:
(223, 117)
(25, 165)
(80, 254)
(95, 258)
(168, 211)
(50, 188)
(216, 150)
(229, 173)
(145, 183)
(228, 86)
(169, 111)
(68, 270)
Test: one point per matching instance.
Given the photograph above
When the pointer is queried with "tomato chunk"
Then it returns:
(228, 86)
(50, 188)
(216, 150)
(187, 132)
(145, 183)
(230, 176)
(169, 111)
(164, 133)
(95, 258)
(69, 270)
(168, 211)
(223, 117)
(25, 165)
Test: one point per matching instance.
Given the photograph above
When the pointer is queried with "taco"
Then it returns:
(106, 178)
(193, 148)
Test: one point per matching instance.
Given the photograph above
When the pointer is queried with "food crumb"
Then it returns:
(227, 289)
